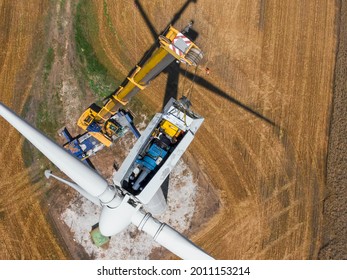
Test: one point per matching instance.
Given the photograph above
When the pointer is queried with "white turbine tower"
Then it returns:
(118, 209)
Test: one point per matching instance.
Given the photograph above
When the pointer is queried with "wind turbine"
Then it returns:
(119, 207)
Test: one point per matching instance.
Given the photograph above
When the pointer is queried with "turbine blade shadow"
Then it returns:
(177, 16)
(214, 89)
(146, 19)
(171, 89)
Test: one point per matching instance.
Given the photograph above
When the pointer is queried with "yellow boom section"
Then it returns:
(122, 95)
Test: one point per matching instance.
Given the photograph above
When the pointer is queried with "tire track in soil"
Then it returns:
(24, 230)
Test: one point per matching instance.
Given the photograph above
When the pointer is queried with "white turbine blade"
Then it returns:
(169, 237)
(180, 245)
(76, 187)
(84, 176)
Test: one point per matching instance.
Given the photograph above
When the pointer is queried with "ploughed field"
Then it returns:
(267, 104)
(24, 229)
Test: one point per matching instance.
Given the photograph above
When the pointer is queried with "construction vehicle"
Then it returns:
(104, 125)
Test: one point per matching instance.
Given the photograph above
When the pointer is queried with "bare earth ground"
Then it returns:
(262, 149)
(269, 168)
(24, 230)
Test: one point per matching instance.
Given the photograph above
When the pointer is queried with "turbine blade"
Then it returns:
(81, 174)
(169, 237)
(76, 187)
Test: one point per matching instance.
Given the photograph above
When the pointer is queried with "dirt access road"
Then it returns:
(267, 104)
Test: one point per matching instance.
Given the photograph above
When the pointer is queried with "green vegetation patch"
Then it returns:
(97, 71)
(27, 153)
(48, 62)
(98, 78)
(46, 120)
(47, 114)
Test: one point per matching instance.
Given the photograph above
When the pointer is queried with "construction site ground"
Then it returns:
(270, 157)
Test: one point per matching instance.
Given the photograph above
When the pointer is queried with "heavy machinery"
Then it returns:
(104, 125)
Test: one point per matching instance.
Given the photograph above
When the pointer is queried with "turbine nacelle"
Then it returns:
(158, 150)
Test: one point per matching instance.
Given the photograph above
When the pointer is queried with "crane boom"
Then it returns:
(104, 125)
(100, 122)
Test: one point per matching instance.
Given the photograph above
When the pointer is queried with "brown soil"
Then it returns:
(270, 187)
(266, 102)
(51, 26)
(25, 233)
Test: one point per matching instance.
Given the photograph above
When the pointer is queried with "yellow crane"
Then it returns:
(104, 123)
